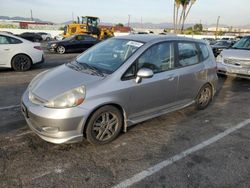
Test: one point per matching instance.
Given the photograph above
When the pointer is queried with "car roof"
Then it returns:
(145, 38)
(14, 36)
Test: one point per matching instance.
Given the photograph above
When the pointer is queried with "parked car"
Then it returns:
(7, 32)
(18, 53)
(118, 83)
(31, 36)
(236, 61)
(220, 45)
(75, 43)
(45, 36)
(211, 41)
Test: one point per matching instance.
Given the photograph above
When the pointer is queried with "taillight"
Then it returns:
(38, 47)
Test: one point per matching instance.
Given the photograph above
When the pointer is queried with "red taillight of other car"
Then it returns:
(38, 47)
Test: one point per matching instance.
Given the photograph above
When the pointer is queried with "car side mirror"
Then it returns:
(143, 73)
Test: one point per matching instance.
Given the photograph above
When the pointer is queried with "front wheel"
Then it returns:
(61, 49)
(104, 125)
(204, 97)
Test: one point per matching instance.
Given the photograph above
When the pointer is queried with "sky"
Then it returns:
(233, 13)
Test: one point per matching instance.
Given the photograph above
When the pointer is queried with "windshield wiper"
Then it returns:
(92, 68)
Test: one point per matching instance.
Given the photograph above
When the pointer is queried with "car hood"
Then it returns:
(236, 54)
(60, 80)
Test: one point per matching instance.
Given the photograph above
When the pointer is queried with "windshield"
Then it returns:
(222, 43)
(109, 55)
(243, 43)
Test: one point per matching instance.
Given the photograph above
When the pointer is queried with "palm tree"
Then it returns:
(177, 6)
(184, 4)
(186, 7)
(192, 2)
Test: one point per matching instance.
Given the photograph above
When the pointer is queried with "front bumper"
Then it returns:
(54, 125)
(235, 71)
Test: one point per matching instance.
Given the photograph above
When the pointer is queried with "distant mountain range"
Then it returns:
(21, 18)
(147, 25)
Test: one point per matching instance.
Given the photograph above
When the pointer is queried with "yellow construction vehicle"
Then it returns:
(88, 25)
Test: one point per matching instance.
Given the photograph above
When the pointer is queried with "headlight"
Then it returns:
(219, 59)
(69, 99)
(53, 45)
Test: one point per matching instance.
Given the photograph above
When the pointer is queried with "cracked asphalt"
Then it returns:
(28, 161)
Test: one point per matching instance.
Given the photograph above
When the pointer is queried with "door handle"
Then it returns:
(6, 49)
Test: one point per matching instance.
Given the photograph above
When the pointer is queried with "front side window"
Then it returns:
(188, 54)
(158, 58)
(80, 37)
(109, 55)
(4, 40)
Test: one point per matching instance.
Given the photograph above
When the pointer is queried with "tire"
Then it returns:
(21, 63)
(61, 49)
(204, 97)
(99, 128)
(47, 39)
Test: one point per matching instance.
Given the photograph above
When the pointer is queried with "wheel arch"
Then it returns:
(211, 85)
(119, 107)
(21, 54)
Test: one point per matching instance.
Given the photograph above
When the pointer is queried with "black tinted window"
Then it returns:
(204, 51)
(188, 54)
(14, 40)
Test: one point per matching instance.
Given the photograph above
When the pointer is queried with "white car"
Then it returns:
(45, 36)
(18, 53)
(235, 61)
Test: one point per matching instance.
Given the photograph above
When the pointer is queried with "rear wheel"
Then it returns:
(61, 49)
(21, 62)
(104, 125)
(204, 97)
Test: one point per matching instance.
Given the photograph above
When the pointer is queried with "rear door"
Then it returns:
(192, 72)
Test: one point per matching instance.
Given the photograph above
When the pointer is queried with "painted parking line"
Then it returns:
(152, 170)
(9, 107)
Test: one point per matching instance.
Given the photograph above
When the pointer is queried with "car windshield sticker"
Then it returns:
(135, 44)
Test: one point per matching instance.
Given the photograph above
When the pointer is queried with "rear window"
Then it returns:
(204, 51)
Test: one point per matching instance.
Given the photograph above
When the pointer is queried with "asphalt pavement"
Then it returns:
(187, 148)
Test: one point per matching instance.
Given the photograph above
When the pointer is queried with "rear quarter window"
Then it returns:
(204, 51)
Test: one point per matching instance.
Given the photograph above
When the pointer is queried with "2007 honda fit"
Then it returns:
(117, 83)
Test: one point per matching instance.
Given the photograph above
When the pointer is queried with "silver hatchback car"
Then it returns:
(118, 83)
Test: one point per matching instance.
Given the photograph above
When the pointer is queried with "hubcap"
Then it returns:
(105, 126)
(61, 49)
(205, 96)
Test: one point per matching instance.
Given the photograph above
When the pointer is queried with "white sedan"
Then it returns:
(18, 53)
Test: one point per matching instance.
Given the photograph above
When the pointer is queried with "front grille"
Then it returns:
(238, 62)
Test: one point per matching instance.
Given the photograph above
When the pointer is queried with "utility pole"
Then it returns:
(129, 20)
(217, 26)
(31, 15)
(141, 23)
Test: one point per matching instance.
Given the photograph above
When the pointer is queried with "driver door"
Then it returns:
(156, 94)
